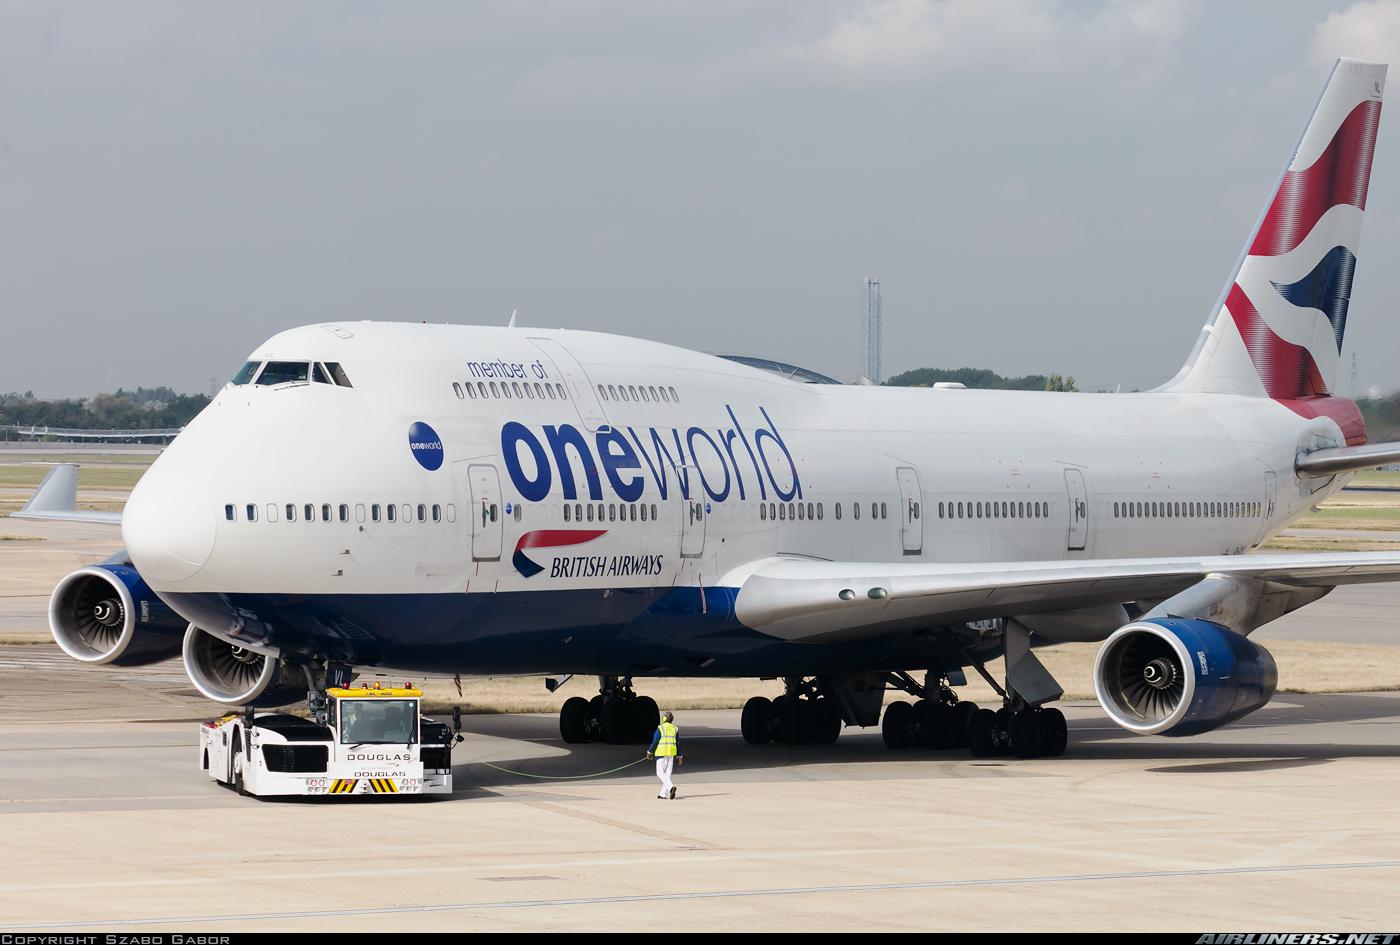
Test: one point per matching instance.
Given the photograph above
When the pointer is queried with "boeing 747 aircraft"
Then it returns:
(452, 500)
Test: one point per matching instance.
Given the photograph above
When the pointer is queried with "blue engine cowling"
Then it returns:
(1173, 676)
(107, 614)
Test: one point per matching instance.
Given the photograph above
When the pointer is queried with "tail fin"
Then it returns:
(1277, 329)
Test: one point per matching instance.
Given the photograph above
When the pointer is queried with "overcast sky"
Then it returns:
(1038, 186)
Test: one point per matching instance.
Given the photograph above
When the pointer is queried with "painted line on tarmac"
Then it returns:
(718, 894)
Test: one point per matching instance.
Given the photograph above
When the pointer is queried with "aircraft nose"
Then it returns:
(168, 525)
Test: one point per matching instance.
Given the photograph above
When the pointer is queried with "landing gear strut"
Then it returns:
(803, 715)
(617, 715)
(938, 720)
(1019, 727)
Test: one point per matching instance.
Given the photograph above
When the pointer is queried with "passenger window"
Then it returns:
(338, 374)
(612, 512)
(309, 512)
(838, 511)
(654, 396)
(457, 389)
(801, 513)
(675, 398)
(549, 389)
(344, 513)
(563, 395)
(529, 392)
(229, 514)
(644, 511)
(519, 511)
(632, 391)
(391, 512)
(590, 511)
(653, 511)
(602, 392)
(516, 386)
(567, 509)
(665, 396)
(820, 515)
(422, 513)
(252, 511)
(481, 389)
(325, 513)
(632, 513)
(283, 372)
(374, 512)
(291, 512)
(494, 392)
(451, 512)
(855, 511)
(245, 373)
(271, 512)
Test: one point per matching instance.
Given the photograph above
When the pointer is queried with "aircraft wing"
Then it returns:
(819, 601)
(56, 500)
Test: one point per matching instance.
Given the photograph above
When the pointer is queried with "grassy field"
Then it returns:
(95, 476)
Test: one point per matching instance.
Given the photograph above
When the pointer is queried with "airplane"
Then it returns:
(465, 501)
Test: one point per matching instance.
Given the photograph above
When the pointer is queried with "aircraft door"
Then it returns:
(693, 514)
(485, 511)
(1078, 510)
(911, 528)
(1270, 489)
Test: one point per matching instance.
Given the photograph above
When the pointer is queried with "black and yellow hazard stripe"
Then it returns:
(384, 785)
(344, 785)
(377, 785)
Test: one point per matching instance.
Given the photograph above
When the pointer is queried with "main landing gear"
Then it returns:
(617, 715)
(1026, 731)
(938, 720)
(803, 715)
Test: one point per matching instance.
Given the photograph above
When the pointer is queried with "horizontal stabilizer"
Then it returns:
(1342, 459)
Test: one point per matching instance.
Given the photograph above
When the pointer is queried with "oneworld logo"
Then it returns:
(425, 445)
(720, 461)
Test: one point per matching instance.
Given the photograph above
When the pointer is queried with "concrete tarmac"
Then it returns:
(1288, 820)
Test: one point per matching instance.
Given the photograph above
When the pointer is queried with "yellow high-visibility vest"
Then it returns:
(666, 747)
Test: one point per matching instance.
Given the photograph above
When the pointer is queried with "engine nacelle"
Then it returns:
(1173, 676)
(234, 675)
(107, 614)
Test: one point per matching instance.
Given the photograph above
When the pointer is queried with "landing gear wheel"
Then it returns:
(828, 723)
(648, 717)
(1054, 733)
(756, 721)
(573, 720)
(897, 727)
(962, 715)
(793, 724)
(614, 719)
(1026, 732)
(981, 733)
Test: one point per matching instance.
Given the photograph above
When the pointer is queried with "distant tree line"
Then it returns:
(146, 408)
(1382, 416)
(980, 379)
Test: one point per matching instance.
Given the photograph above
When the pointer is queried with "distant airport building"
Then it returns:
(870, 347)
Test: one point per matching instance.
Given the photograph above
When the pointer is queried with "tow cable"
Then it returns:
(561, 777)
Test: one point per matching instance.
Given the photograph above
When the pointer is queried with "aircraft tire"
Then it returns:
(1054, 733)
(962, 715)
(613, 719)
(981, 733)
(756, 721)
(828, 723)
(1026, 734)
(897, 725)
(648, 717)
(573, 720)
(793, 725)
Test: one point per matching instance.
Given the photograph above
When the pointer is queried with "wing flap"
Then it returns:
(820, 601)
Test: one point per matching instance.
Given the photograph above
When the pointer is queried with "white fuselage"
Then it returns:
(742, 466)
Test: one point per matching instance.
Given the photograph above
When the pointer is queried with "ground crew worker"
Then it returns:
(666, 746)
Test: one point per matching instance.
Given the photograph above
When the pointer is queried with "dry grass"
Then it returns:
(21, 538)
(1303, 666)
(1308, 543)
(29, 475)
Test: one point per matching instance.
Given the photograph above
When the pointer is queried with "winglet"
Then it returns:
(57, 493)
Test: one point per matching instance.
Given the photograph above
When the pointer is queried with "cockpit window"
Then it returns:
(318, 374)
(245, 373)
(283, 372)
(338, 373)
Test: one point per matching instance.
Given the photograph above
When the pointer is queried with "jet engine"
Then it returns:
(107, 614)
(234, 675)
(1174, 676)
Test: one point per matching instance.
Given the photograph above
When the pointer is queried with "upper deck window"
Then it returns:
(283, 372)
(246, 372)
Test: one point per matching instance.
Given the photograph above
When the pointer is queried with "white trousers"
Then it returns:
(665, 764)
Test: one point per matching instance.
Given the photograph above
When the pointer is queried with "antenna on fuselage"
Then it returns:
(511, 323)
